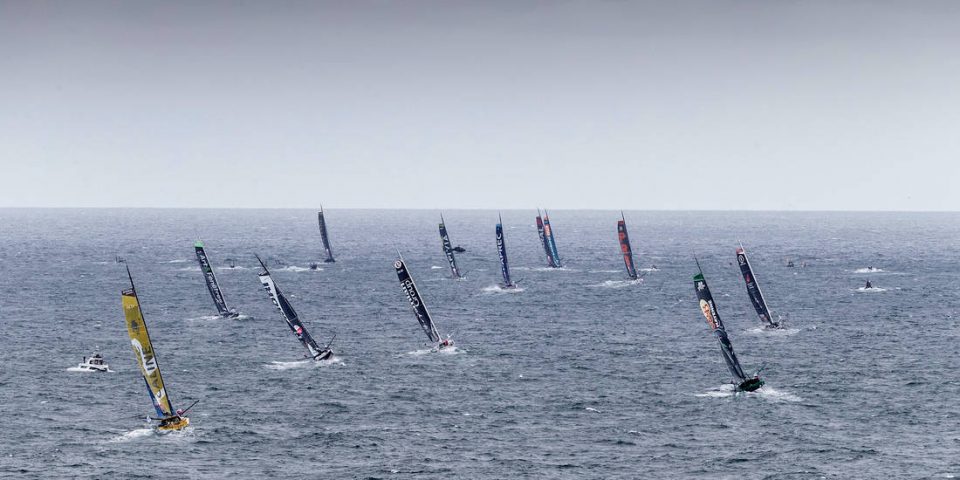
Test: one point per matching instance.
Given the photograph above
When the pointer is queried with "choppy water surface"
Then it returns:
(582, 374)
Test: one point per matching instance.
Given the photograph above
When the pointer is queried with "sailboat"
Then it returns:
(325, 237)
(545, 235)
(419, 308)
(625, 247)
(316, 352)
(448, 250)
(709, 309)
(753, 290)
(212, 285)
(170, 419)
(502, 250)
(549, 240)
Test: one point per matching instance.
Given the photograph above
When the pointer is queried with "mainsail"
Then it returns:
(709, 310)
(413, 296)
(502, 250)
(545, 241)
(753, 289)
(552, 240)
(325, 236)
(143, 351)
(290, 315)
(212, 285)
(448, 249)
(625, 247)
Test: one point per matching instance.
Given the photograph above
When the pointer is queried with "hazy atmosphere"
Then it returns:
(634, 105)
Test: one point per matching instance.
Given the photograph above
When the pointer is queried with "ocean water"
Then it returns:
(582, 374)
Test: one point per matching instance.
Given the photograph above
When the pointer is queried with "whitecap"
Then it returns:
(868, 270)
(134, 435)
(872, 289)
(434, 267)
(194, 268)
(773, 332)
(617, 283)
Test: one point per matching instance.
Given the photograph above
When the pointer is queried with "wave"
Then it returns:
(434, 267)
(446, 351)
(195, 268)
(651, 269)
(603, 271)
(134, 435)
(178, 260)
(868, 270)
(305, 363)
(499, 289)
(227, 269)
(872, 289)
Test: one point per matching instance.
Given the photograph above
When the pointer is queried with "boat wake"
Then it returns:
(499, 289)
(446, 351)
(604, 271)
(178, 260)
(617, 283)
(189, 269)
(134, 435)
(434, 267)
(294, 268)
(773, 332)
(227, 269)
(868, 270)
(86, 370)
(872, 289)
(305, 363)
(765, 392)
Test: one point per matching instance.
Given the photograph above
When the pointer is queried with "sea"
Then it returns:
(580, 373)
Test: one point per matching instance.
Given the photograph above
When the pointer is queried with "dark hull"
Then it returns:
(750, 385)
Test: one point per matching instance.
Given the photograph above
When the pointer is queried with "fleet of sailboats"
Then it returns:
(172, 420)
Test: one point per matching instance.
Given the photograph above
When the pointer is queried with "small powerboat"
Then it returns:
(94, 364)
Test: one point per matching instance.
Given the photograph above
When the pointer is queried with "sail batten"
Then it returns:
(289, 314)
(143, 351)
(448, 250)
(502, 250)
(753, 289)
(709, 310)
(625, 247)
(325, 237)
(413, 296)
(213, 286)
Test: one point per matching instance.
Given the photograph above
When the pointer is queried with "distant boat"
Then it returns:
(502, 250)
(290, 316)
(325, 237)
(753, 290)
(419, 308)
(546, 238)
(170, 419)
(212, 285)
(709, 310)
(448, 250)
(93, 364)
(625, 247)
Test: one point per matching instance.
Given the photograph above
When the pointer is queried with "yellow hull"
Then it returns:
(175, 425)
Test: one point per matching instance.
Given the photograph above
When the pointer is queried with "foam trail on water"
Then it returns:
(499, 289)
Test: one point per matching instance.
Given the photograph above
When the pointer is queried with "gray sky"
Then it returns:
(663, 105)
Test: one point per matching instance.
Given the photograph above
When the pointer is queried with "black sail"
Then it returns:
(502, 250)
(413, 296)
(325, 237)
(709, 310)
(753, 289)
(289, 314)
(448, 249)
(212, 285)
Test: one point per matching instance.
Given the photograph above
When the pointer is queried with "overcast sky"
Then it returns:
(792, 105)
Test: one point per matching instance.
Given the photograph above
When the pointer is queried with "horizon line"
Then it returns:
(658, 210)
